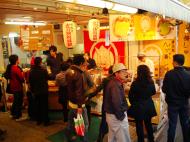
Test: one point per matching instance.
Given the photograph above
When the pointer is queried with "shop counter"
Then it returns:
(159, 102)
(53, 103)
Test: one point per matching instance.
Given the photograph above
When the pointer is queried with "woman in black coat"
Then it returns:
(142, 106)
(38, 80)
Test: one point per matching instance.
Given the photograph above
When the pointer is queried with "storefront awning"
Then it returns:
(170, 8)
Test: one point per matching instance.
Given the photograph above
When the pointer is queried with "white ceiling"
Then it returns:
(50, 11)
(170, 8)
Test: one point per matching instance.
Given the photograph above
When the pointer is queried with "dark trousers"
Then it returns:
(41, 101)
(173, 112)
(63, 100)
(31, 106)
(65, 112)
(140, 132)
(103, 128)
(88, 107)
(16, 109)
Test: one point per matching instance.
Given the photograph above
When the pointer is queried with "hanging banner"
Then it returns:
(107, 37)
(104, 55)
(94, 29)
(120, 28)
(145, 27)
(69, 34)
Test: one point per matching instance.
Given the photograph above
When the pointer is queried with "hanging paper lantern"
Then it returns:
(69, 34)
(94, 29)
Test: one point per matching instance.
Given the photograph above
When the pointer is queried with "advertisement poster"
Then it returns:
(145, 27)
(121, 28)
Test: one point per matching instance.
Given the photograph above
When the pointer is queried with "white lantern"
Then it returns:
(69, 34)
(94, 29)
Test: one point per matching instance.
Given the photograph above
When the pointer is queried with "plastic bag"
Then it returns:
(79, 125)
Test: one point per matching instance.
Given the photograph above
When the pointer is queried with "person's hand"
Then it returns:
(79, 110)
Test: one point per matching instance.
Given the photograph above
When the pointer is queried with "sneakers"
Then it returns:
(21, 119)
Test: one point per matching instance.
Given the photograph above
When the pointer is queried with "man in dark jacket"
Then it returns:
(115, 106)
(76, 82)
(176, 86)
(38, 80)
(54, 61)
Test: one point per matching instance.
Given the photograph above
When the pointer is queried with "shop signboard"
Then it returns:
(121, 27)
(94, 29)
(69, 34)
(36, 37)
(145, 27)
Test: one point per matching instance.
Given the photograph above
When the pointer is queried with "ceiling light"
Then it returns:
(27, 17)
(123, 8)
(26, 23)
(12, 34)
(66, 0)
(96, 3)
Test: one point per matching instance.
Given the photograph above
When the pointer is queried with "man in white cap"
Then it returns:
(116, 106)
(143, 60)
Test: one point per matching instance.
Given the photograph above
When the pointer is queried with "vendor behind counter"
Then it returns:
(54, 61)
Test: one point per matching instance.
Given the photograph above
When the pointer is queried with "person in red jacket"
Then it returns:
(16, 85)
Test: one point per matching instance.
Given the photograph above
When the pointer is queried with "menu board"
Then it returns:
(36, 37)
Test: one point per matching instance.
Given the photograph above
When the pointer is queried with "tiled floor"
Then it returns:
(28, 131)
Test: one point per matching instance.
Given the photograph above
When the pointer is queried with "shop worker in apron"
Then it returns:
(76, 94)
(116, 106)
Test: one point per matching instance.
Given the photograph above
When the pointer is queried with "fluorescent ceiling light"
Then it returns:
(13, 34)
(27, 17)
(66, 0)
(123, 8)
(26, 23)
(95, 3)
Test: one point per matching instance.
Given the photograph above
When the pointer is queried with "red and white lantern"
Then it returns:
(69, 34)
(94, 29)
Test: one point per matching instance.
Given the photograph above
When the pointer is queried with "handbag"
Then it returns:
(79, 125)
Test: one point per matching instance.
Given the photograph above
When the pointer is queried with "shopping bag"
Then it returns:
(79, 125)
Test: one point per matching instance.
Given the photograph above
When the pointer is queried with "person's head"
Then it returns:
(178, 60)
(64, 66)
(53, 50)
(13, 59)
(120, 71)
(69, 61)
(78, 60)
(143, 73)
(34, 52)
(38, 61)
(141, 56)
(86, 56)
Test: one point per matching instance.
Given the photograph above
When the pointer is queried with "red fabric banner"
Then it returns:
(104, 55)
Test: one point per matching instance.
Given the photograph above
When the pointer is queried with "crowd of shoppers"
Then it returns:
(74, 83)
